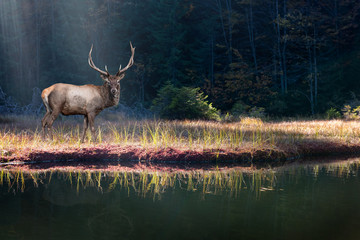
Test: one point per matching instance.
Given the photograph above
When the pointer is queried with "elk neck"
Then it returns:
(109, 99)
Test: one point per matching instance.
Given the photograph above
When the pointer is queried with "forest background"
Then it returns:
(284, 57)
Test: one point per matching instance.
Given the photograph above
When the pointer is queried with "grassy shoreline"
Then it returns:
(249, 140)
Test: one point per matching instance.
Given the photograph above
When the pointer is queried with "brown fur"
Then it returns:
(88, 100)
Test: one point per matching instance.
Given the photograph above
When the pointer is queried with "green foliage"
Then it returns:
(257, 112)
(240, 84)
(166, 32)
(346, 111)
(332, 113)
(350, 113)
(239, 108)
(183, 103)
(228, 117)
(356, 111)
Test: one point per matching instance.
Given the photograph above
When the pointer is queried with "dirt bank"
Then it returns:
(172, 155)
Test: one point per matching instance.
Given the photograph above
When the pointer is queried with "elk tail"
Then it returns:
(45, 98)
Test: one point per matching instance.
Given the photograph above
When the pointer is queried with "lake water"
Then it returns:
(299, 202)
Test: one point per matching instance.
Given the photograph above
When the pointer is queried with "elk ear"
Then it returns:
(104, 77)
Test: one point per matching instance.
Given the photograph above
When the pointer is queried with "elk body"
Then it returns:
(88, 100)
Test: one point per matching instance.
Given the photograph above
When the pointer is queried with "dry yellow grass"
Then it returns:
(23, 134)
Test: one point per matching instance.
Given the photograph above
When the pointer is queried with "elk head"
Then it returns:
(113, 81)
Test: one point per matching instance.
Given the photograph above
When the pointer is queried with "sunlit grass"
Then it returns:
(249, 133)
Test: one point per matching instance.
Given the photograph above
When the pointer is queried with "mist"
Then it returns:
(46, 42)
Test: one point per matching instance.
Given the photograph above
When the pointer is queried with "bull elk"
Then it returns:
(88, 100)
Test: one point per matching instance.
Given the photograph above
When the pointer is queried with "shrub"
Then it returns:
(183, 103)
(350, 113)
(257, 112)
(332, 113)
(228, 117)
(239, 108)
(356, 112)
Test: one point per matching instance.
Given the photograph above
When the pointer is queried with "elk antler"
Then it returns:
(92, 65)
(131, 61)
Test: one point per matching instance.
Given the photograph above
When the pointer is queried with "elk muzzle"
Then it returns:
(113, 91)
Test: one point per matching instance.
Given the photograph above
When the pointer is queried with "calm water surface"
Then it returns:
(303, 202)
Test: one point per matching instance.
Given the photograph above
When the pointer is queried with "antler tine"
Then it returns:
(92, 65)
(131, 61)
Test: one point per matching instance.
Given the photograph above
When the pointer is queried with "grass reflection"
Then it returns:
(152, 183)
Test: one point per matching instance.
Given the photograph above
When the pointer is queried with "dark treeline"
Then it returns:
(287, 56)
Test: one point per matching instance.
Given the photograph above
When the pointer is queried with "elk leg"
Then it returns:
(50, 121)
(91, 118)
(44, 123)
(86, 123)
